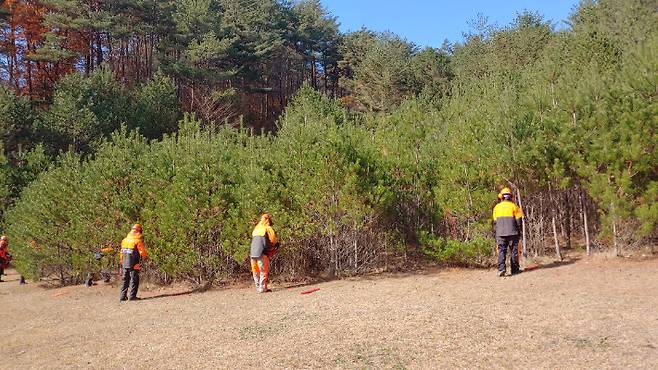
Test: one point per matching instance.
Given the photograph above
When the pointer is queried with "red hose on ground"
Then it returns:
(310, 291)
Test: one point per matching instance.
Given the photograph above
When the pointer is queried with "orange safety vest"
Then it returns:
(131, 242)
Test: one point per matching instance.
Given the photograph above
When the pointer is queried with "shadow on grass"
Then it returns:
(302, 284)
(554, 264)
(371, 276)
(200, 289)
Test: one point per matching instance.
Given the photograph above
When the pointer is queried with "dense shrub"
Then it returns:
(569, 121)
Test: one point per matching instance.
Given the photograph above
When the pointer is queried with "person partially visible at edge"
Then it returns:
(132, 254)
(5, 257)
(507, 218)
(107, 259)
(264, 245)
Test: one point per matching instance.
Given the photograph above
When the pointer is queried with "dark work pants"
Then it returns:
(508, 244)
(130, 279)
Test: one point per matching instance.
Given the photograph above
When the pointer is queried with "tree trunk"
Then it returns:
(573, 117)
(523, 224)
(122, 59)
(30, 87)
(614, 229)
(568, 216)
(110, 55)
(99, 49)
(557, 244)
(332, 256)
(531, 234)
(541, 226)
(356, 255)
(13, 59)
(585, 226)
(314, 74)
(88, 59)
(324, 69)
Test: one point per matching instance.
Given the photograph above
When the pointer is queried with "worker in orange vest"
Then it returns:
(507, 217)
(132, 254)
(264, 245)
(5, 257)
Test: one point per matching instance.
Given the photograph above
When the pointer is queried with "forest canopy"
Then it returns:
(192, 117)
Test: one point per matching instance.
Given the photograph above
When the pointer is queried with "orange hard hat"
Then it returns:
(505, 191)
(137, 227)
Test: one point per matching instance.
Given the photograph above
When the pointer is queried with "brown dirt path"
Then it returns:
(588, 314)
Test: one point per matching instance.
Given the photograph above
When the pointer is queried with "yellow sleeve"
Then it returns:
(518, 213)
(495, 213)
(141, 249)
(271, 235)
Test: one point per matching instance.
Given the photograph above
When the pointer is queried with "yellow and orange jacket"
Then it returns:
(263, 239)
(507, 217)
(131, 242)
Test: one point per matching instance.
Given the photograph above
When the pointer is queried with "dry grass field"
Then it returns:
(587, 313)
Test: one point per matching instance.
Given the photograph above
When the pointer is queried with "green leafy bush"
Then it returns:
(476, 252)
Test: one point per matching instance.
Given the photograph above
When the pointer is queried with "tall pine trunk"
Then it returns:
(558, 254)
(523, 223)
(583, 207)
(614, 228)
(567, 221)
(555, 238)
(542, 237)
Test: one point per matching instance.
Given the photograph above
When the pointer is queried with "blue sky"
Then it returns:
(428, 23)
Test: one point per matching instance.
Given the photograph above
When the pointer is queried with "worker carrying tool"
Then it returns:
(105, 258)
(132, 254)
(5, 257)
(507, 218)
(264, 245)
